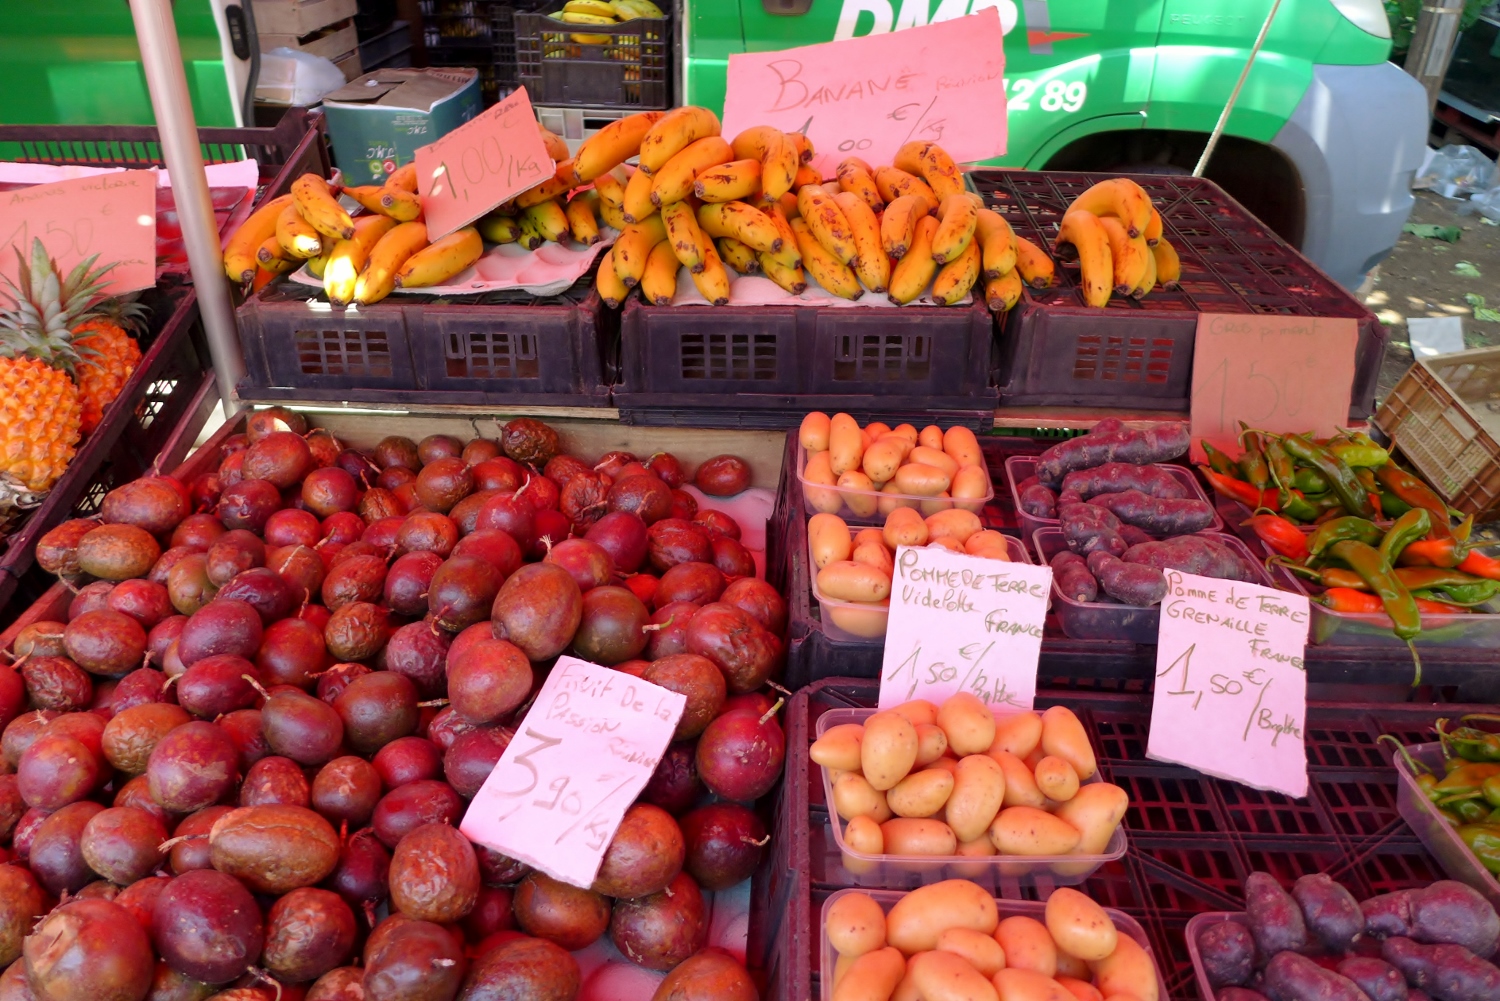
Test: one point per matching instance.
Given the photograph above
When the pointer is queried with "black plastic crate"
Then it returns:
(633, 70)
(1056, 351)
(767, 366)
(477, 33)
(1186, 856)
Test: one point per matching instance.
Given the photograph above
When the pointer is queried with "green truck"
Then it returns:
(1322, 144)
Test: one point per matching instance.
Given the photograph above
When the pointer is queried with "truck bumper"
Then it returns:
(1356, 139)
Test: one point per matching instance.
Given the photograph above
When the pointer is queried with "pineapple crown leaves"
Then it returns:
(45, 309)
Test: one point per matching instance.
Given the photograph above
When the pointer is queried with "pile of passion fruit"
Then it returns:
(237, 769)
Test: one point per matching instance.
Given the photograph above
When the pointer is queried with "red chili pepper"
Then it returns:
(1283, 537)
(1241, 491)
(1343, 599)
(1442, 552)
(1440, 608)
(1480, 565)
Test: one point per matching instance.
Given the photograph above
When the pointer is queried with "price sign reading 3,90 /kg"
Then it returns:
(1231, 686)
(585, 750)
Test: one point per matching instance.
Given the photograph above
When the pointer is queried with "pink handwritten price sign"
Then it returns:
(1231, 687)
(583, 753)
(962, 623)
(488, 160)
(112, 215)
(1276, 373)
(867, 96)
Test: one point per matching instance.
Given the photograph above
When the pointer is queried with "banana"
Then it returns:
(297, 238)
(871, 266)
(611, 190)
(1153, 228)
(893, 183)
(1033, 265)
(438, 262)
(1148, 282)
(788, 203)
(997, 243)
(572, 17)
(386, 257)
(679, 129)
(898, 224)
(637, 204)
(728, 181)
(674, 181)
(855, 177)
(1168, 264)
(634, 246)
(736, 255)
(627, 9)
(557, 146)
(596, 7)
(1128, 255)
(531, 238)
(1003, 292)
(318, 206)
(957, 277)
(368, 196)
(913, 273)
(827, 222)
(240, 253)
(789, 257)
(499, 228)
(713, 280)
(909, 157)
(581, 220)
(681, 223)
(747, 225)
(591, 39)
(549, 189)
(791, 279)
(805, 176)
(342, 266)
(1082, 229)
(271, 257)
(940, 172)
(613, 145)
(659, 280)
(802, 145)
(608, 284)
(777, 156)
(404, 178)
(549, 219)
(402, 206)
(567, 172)
(830, 272)
(316, 265)
(1120, 197)
(958, 215)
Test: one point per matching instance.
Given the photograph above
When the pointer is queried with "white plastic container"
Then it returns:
(852, 501)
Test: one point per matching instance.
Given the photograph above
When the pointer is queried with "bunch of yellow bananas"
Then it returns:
(603, 12)
(1115, 234)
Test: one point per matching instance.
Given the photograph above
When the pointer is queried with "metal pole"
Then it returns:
(1432, 45)
(1234, 95)
(161, 56)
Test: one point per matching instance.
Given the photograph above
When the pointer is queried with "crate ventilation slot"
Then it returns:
(1107, 358)
(343, 352)
(729, 356)
(882, 357)
(492, 355)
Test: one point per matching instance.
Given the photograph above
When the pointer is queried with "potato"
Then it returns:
(845, 444)
(818, 471)
(1027, 945)
(828, 538)
(888, 750)
(904, 527)
(861, 493)
(865, 536)
(916, 836)
(889, 501)
(1017, 733)
(960, 443)
(934, 457)
(1025, 985)
(873, 975)
(1033, 759)
(856, 924)
(951, 545)
(838, 747)
(1056, 779)
(1020, 782)
(881, 459)
(978, 791)
(1079, 926)
(1071, 966)
(906, 990)
(877, 428)
(863, 836)
(1080, 989)
(988, 544)
(948, 764)
(904, 443)
(916, 479)
(1063, 736)
(1095, 812)
(853, 797)
(921, 794)
(968, 722)
(931, 437)
(867, 619)
(969, 487)
(931, 742)
(957, 525)
(841, 967)
(1127, 970)
(846, 580)
(813, 435)
(1025, 830)
(938, 503)
(906, 431)
(980, 847)
(919, 711)
(945, 976)
(874, 554)
(919, 917)
(981, 950)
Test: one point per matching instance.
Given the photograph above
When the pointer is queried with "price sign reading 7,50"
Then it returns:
(487, 160)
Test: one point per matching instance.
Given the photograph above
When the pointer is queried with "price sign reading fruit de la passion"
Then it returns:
(962, 623)
(585, 750)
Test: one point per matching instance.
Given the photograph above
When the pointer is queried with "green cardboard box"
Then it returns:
(377, 121)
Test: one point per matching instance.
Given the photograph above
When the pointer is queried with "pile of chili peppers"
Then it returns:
(1419, 562)
(1467, 795)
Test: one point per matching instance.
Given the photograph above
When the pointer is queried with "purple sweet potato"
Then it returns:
(1130, 583)
(1331, 912)
(1388, 914)
(1447, 972)
(1241, 994)
(1036, 500)
(1275, 919)
(1195, 554)
(1134, 536)
(1073, 577)
(1291, 976)
(1157, 515)
(1117, 477)
(1087, 528)
(1118, 444)
(1228, 953)
(1377, 978)
(1456, 913)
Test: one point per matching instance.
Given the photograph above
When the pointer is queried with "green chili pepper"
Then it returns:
(1340, 529)
(1471, 811)
(1471, 744)
(1465, 781)
(1299, 508)
(1494, 817)
(1283, 470)
(1366, 479)
(1416, 493)
(1309, 481)
(1464, 530)
(1411, 526)
(1253, 466)
(1219, 462)
(1490, 790)
(1449, 816)
(1358, 454)
(1341, 479)
(1406, 620)
(1477, 593)
(1484, 841)
(1393, 506)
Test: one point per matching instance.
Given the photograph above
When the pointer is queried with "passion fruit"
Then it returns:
(274, 849)
(207, 926)
(530, 968)
(434, 875)
(308, 933)
(748, 654)
(723, 476)
(376, 709)
(699, 681)
(154, 503)
(107, 642)
(248, 504)
(443, 482)
(642, 494)
(275, 781)
(538, 608)
(297, 726)
(89, 950)
(421, 961)
(472, 756)
(529, 442)
(510, 515)
(758, 600)
(660, 930)
(117, 552)
(644, 855)
(674, 786)
(408, 807)
(419, 651)
(740, 755)
(193, 766)
(357, 631)
(499, 473)
(565, 915)
(123, 844)
(584, 499)
(55, 856)
(489, 681)
(462, 592)
(611, 626)
(672, 541)
(57, 550)
(261, 424)
(292, 652)
(224, 626)
(725, 843)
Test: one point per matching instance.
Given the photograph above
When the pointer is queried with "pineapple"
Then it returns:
(109, 355)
